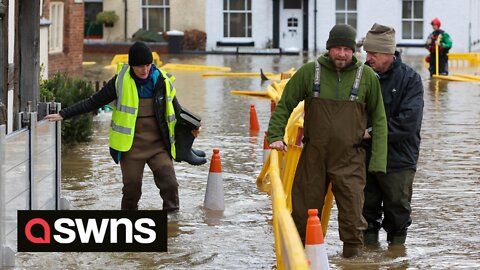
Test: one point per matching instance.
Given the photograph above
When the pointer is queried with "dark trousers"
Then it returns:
(389, 196)
(443, 64)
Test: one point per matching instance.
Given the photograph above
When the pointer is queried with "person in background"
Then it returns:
(388, 196)
(340, 93)
(143, 127)
(442, 38)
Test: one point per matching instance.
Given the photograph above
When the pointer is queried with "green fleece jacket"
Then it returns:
(335, 85)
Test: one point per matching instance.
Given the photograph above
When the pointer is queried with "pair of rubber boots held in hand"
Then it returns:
(186, 122)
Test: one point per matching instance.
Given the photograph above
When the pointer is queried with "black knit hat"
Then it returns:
(342, 35)
(139, 54)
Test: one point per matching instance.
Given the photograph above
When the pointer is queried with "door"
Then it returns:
(291, 26)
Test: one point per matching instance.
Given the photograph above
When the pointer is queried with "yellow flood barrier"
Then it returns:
(171, 66)
(123, 58)
(288, 246)
(235, 74)
(274, 90)
(277, 176)
(281, 76)
(249, 93)
(463, 59)
(452, 78)
(467, 76)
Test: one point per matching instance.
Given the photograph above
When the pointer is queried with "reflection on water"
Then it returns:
(445, 200)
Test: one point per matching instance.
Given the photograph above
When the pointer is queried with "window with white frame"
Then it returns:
(56, 28)
(237, 18)
(412, 19)
(346, 12)
(156, 15)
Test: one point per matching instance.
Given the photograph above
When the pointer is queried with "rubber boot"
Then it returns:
(199, 153)
(184, 139)
(351, 250)
(396, 239)
(370, 238)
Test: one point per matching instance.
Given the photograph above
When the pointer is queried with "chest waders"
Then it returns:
(135, 132)
(333, 131)
(148, 149)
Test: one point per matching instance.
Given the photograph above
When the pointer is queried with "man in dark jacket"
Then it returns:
(143, 127)
(390, 195)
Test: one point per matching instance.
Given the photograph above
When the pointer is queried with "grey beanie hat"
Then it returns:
(139, 54)
(342, 35)
(380, 39)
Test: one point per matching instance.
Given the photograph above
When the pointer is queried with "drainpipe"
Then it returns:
(315, 28)
(125, 16)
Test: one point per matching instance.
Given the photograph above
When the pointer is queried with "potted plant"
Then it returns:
(107, 17)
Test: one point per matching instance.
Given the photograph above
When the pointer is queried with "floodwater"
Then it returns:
(444, 233)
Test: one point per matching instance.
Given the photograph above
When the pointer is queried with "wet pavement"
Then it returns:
(444, 233)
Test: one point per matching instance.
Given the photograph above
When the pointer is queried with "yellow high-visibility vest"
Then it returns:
(125, 110)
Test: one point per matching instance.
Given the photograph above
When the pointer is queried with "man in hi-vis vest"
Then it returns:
(142, 129)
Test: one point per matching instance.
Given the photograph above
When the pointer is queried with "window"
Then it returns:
(156, 15)
(56, 28)
(292, 22)
(237, 18)
(346, 12)
(412, 19)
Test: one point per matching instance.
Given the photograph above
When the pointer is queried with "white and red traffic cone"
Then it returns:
(266, 148)
(314, 243)
(214, 196)
(254, 126)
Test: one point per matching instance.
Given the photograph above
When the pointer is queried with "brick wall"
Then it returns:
(68, 61)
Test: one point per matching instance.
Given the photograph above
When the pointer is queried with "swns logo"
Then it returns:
(92, 231)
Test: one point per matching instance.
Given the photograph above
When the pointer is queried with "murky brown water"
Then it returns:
(444, 233)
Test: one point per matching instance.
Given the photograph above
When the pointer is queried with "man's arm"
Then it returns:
(409, 119)
(107, 94)
(446, 41)
(376, 112)
(294, 92)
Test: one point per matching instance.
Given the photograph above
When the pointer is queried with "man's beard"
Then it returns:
(341, 63)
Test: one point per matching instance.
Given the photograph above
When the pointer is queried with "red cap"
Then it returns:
(436, 22)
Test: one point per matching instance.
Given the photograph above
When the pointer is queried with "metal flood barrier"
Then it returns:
(30, 175)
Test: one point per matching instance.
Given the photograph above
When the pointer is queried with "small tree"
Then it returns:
(68, 91)
(107, 17)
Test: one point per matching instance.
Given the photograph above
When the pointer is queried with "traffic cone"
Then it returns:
(254, 126)
(273, 105)
(266, 148)
(214, 198)
(314, 244)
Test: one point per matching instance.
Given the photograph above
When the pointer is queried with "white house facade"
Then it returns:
(303, 25)
(296, 25)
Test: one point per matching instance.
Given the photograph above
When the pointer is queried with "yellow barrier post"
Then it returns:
(436, 59)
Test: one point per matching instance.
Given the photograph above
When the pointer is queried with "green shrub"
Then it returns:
(107, 17)
(69, 91)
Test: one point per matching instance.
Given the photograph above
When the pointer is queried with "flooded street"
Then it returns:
(444, 233)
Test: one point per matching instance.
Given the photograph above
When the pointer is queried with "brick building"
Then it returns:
(65, 45)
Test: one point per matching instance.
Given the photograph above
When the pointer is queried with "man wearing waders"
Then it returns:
(388, 197)
(340, 93)
(144, 127)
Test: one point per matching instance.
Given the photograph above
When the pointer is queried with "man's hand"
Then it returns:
(54, 117)
(366, 135)
(196, 131)
(278, 145)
